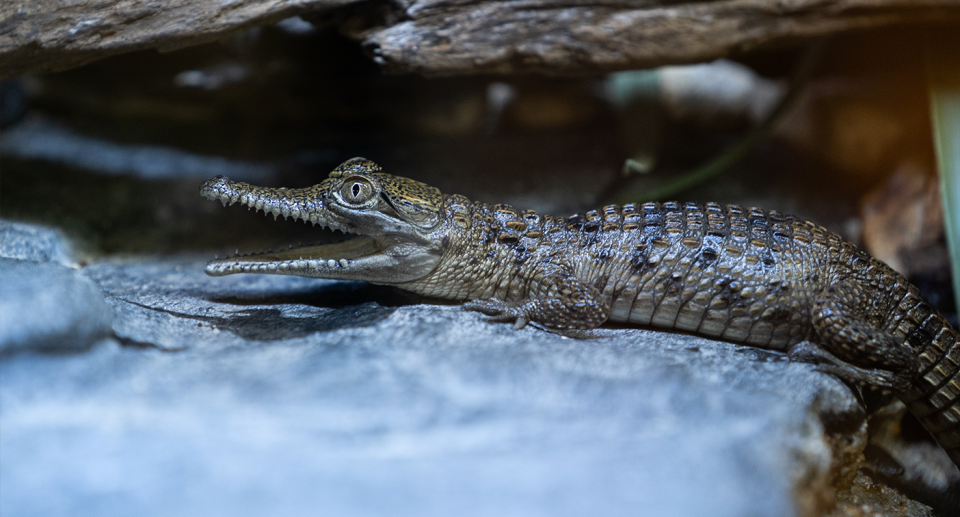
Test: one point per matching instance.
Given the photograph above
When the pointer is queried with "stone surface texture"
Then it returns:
(45, 305)
(33, 242)
(452, 37)
(262, 394)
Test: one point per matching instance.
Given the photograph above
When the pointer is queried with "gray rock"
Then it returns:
(47, 307)
(290, 396)
(32, 242)
(46, 141)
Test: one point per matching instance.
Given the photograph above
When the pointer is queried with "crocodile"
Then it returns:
(739, 274)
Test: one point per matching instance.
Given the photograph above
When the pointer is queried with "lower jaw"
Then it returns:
(298, 260)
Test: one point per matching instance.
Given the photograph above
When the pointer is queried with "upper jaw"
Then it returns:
(273, 201)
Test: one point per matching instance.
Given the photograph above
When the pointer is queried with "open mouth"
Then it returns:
(317, 260)
(387, 258)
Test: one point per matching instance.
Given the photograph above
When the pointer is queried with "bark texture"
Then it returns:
(43, 35)
(453, 36)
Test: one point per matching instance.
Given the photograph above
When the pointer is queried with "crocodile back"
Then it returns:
(744, 275)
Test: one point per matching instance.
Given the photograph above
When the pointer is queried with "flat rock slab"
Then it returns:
(253, 395)
(47, 307)
(46, 304)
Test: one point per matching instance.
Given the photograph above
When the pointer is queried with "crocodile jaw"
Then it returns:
(390, 260)
(384, 258)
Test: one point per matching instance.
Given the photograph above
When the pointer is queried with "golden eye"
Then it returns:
(356, 191)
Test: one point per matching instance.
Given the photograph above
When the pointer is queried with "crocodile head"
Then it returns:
(397, 220)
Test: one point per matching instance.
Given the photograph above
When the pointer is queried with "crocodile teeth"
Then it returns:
(332, 263)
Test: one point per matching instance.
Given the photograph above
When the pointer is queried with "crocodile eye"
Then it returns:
(356, 191)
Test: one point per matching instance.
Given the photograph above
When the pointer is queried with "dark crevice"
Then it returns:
(270, 324)
(127, 342)
(881, 466)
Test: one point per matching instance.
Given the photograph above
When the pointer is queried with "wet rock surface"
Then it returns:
(255, 394)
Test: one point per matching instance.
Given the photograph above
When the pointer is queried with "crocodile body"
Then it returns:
(739, 274)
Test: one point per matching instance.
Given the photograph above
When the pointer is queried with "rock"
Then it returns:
(296, 396)
(37, 243)
(717, 95)
(45, 141)
(452, 37)
(47, 307)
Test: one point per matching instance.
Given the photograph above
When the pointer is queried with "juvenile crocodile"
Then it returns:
(739, 274)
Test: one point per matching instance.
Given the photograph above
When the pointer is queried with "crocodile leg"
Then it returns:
(810, 352)
(851, 348)
(560, 302)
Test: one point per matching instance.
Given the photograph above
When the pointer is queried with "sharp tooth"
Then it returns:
(344, 262)
(332, 263)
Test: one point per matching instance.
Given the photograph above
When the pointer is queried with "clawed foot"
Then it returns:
(826, 362)
(499, 311)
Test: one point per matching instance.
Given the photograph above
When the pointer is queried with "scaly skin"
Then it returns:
(740, 274)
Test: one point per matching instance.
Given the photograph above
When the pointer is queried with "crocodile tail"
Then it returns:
(934, 394)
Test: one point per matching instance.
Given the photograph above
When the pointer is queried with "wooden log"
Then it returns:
(44, 35)
(444, 37)
(584, 36)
